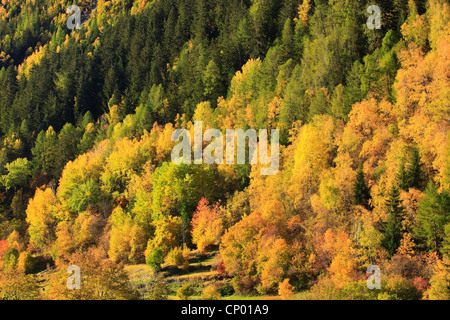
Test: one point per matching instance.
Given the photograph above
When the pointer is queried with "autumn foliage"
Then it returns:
(207, 225)
(86, 124)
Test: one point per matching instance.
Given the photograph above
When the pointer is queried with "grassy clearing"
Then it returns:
(241, 297)
(236, 297)
(194, 276)
(201, 272)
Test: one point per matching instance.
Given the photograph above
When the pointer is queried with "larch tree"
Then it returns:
(433, 215)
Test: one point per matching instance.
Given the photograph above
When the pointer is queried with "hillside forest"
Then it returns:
(86, 123)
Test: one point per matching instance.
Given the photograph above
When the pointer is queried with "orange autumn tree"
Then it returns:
(341, 255)
(4, 247)
(286, 290)
(207, 225)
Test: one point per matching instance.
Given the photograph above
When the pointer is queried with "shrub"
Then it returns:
(221, 269)
(286, 290)
(185, 291)
(154, 258)
(175, 257)
(186, 251)
(226, 290)
(210, 293)
(357, 290)
(244, 285)
(324, 289)
(386, 296)
(157, 289)
(402, 288)
(10, 258)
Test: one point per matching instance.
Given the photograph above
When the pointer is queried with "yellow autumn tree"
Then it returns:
(40, 216)
(312, 155)
(440, 282)
(273, 259)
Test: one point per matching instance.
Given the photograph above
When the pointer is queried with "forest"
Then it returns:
(86, 123)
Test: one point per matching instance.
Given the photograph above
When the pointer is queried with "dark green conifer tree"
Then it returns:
(362, 192)
(391, 229)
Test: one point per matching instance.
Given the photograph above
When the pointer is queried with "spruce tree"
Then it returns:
(362, 192)
(402, 177)
(414, 172)
(287, 37)
(391, 229)
(410, 176)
